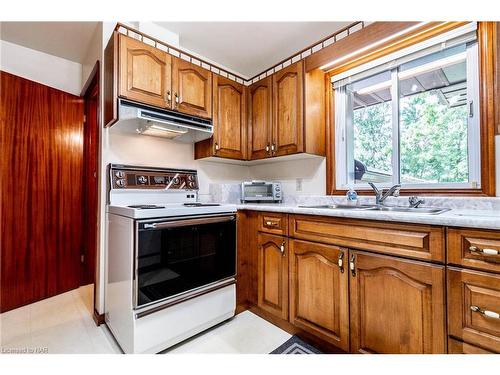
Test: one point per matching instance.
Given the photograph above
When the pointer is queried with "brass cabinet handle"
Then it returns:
(169, 97)
(217, 146)
(282, 248)
(475, 249)
(273, 148)
(352, 265)
(271, 223)
(489, 314)
(176, 99)
(341, 262)
(267, 148)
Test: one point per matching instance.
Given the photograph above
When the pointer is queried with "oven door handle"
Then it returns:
(188, 222)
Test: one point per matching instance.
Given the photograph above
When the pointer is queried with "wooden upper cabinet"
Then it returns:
(288, 107)
(191, 89)
(145, 72)
(396, 306)
(260, 117)
(273, 274)
(319, 299)
(229, 118)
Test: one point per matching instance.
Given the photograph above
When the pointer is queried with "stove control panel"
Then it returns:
(131, 177)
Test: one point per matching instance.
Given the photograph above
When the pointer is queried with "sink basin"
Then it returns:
(343, 206)
(416, 210)
(370, 207)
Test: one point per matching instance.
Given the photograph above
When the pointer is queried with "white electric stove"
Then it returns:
(171, 260)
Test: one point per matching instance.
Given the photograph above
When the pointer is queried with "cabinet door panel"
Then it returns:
(260, 119)
(288, 98)
(469, 289)
(273, 275)
(397, 306)
(192, 89)
(319, 291)
(145, 72)
(229, 118)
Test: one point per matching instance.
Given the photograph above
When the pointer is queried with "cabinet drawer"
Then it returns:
(474, 248)
(474, 307)
(274, 223)
(414, 241)
(460, 347)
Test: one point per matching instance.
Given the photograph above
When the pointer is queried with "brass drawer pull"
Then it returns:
(489, 314)
(271, 223)
(282, 248)
(475, 249)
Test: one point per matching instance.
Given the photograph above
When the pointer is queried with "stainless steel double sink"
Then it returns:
(368, 207)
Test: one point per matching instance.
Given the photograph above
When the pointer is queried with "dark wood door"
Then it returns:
(288, 109)
(145, 73)
(41, 200)
(91, 185)
(273, 274)
(191, 88)
(396, 306)
(260, 113)
(229, 118)
(319, 291)
(474, 313)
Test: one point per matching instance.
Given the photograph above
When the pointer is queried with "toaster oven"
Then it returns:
(261, 191)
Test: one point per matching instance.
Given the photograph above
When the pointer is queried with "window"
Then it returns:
(411, 119)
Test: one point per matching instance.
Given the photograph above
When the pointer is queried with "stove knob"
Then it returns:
(120, 174)
(142, 179)
(190, 177)
(191, 184)
(120, 182)
(176, 181)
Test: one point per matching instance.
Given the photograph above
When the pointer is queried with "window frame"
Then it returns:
(344, 123)
(486, 106)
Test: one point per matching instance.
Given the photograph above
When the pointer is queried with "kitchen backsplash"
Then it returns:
(231, 193)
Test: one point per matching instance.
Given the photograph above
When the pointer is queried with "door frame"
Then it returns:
(91, 92)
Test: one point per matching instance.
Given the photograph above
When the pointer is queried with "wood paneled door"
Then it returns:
(145, 73)
(260, 118)
(288, 104)
(319, 292)
(229, 118)
(191, 89)
(273, 274)
(396, 306)
(41, 202)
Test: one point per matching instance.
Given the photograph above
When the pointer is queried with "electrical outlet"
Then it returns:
(298, 184)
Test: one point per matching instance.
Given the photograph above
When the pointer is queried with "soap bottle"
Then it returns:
(352, 196)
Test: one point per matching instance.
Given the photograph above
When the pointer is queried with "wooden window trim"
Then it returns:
(489, 70)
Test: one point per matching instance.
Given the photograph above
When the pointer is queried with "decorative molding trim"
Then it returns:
(302, 54)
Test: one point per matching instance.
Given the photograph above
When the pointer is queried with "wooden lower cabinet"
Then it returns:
(396, 305)
(319, 301)
(474, 307)
(273, 274)
(460, 347)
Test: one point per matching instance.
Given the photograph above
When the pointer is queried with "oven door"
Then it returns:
(178, 256)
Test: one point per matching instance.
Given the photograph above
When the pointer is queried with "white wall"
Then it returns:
(41, 67)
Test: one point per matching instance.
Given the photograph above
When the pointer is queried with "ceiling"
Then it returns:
(69, 40)
(249, 48)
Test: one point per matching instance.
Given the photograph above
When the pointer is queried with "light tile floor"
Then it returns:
(64, 324)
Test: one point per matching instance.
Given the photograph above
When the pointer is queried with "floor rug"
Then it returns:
(295, 345)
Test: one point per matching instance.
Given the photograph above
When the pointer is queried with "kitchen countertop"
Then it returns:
(470, 218)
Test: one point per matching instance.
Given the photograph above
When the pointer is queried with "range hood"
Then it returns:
(147, 120)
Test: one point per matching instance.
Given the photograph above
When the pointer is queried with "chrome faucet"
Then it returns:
(415, 201)
(381, 196)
